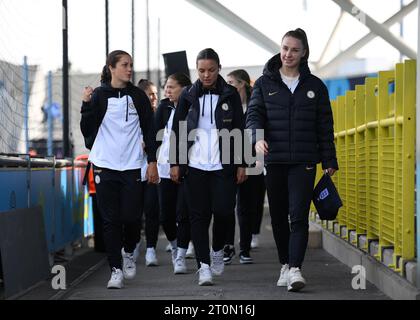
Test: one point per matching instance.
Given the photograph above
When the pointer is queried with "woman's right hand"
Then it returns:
(87, 94)
(261, 147)
(174, 173)
(152, 174)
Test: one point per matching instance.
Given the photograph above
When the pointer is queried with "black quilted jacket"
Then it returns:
(298, 127)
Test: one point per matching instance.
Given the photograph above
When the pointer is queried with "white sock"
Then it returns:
(174, 244)
(181, 253)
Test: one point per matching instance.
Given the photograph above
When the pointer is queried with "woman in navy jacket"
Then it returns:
(211, 166)
(293, 108)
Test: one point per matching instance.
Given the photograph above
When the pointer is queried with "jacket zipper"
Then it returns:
(126, 109)
(292, 101)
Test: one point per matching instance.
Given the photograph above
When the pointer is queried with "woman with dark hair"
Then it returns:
(115, 116)
(293, 108)
(240, 79)
(211, 165)
(251, 193)
(173, 210)
(149, 193)
(151, 91)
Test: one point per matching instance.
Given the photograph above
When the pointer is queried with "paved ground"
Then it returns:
(327, 279)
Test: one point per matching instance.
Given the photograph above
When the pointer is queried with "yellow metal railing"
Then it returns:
(375, 141)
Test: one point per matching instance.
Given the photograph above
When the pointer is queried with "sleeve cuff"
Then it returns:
(332, 163)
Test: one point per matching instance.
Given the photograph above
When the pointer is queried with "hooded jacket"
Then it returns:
(93, 113)
(162, 115)
(228, 115)
(298, 127)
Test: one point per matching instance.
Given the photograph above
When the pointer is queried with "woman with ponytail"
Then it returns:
(250, 194)
(116, 118)
(211, 168)
(293, 108)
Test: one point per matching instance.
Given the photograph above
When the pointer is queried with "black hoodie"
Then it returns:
(229, 117)
(298, 127)
(94, 111)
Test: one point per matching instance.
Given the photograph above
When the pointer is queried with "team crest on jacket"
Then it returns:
(131, 105)
(225, 107)
(97, 179)
(310, 94)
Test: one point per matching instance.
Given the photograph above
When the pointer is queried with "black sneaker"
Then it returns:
(245, 258)
(229, 253)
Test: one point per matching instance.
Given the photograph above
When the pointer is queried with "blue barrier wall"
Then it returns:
(13, 189)
(42, 193)
(60, 193)
(339, 86)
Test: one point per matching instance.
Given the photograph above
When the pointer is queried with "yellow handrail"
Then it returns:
(374, 135)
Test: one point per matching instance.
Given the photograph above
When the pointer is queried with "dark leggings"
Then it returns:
(168, 196)
(259, 195)
(151, 213)
(117, 195)
(289, 189)
(209, 193)
(182, 219)
(249, 209)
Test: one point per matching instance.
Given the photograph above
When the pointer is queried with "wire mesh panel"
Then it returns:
(351, 186)
(386, 162)
(342, 160)
(334, 107)
(371, 140)
(361, 161)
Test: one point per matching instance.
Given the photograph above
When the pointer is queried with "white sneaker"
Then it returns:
(136, 252)
(205, 277)
(254, 242)
(295, 281)
(129, 265)
(117, 279)
(168, 247)
(284, 273)
(174, 253)
(180, 266)
(151, 259)
(190, 251)
(217, 263)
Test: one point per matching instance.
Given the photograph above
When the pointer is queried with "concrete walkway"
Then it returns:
(326, 277)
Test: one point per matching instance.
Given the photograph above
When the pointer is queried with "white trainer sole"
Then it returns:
(296, 286)
(206, 283)
(115, 286)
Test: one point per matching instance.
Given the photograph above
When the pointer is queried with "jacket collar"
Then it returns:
(222, 88)
(107, 87)
(271, 68)
(167, 103)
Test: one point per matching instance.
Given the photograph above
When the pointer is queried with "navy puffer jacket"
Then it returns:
(298, 127)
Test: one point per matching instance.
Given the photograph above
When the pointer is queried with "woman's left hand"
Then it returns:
(152, 175)
(330, 171)
(241, 175)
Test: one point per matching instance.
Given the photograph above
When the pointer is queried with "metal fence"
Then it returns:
(375, 141)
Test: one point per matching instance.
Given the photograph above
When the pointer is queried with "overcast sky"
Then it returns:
(33, 28)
